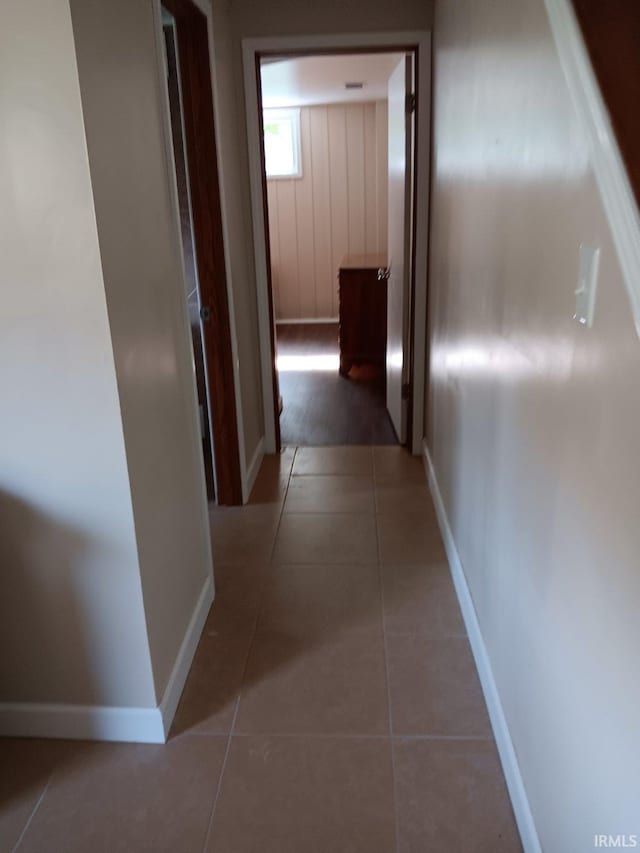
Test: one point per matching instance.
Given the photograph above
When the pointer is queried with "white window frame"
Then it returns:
(293, 114)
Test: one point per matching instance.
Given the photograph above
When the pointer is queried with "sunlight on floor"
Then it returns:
(317, 363)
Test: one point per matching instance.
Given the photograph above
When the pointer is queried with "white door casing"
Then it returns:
(399, 243)
(420, 41)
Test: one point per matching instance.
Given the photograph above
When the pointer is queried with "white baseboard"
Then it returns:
(252, 471)
(508, 757)
(175, 685)
(81, 722)
(307, 321)
(107, 723)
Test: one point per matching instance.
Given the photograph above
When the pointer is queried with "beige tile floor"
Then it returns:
(332, 704)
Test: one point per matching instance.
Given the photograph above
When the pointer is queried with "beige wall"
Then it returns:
(72, 623)
(533, 420)
(104, 538)
(337, 207)
(124, 120)
(253, 18)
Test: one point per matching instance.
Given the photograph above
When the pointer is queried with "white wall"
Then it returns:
(72, 624)
(124, 117)
(337, 207)
(533, 420)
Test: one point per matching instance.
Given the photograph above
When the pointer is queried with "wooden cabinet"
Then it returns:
(363, 312)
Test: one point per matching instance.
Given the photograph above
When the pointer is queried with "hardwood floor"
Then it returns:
(319, 406)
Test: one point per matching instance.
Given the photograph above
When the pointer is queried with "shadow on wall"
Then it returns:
(42, 631)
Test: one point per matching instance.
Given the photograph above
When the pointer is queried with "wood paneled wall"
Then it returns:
(337, 207)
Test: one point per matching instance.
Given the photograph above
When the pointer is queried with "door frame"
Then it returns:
(419, 42)
(220, 351)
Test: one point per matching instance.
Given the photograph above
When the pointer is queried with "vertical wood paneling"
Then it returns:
(303, 189)
(370, 180)
(355, 177)
(325, 279)
(338, 193)
(274, 243)
(382, 173)
(337, 207)
(288, 228)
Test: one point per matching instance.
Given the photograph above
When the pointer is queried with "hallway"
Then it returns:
(354, 714)
(332, 704)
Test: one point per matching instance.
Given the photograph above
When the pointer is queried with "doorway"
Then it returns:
(327, 173)
(186, 47)
(329, 285)
(188, 241)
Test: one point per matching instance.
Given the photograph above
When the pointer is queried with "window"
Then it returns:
(282, 143)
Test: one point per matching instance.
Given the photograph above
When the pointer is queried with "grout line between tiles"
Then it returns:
(220, 778)
(313, 735)
(237, 706)
(345, 736)
(389, 713)
(326, 474)
(440, 635)
(301, 563)
(33, 812)
(282, 506)
(362, 475)
(473, 738)
(367, 513)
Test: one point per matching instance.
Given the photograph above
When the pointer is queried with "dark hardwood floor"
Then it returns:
(319, 406)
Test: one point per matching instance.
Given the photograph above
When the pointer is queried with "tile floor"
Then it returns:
(332, 706)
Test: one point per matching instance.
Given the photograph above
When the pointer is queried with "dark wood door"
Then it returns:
(188, 249)
(197, 103)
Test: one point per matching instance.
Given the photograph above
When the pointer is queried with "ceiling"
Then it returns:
(311, 80)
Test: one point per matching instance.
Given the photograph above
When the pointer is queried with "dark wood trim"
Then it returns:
(197, 99)
(611, 31)
(415, 71)
(338, 51)
(267, 243)
(428, 189)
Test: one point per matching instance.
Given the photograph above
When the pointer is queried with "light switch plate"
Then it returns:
(587, 285)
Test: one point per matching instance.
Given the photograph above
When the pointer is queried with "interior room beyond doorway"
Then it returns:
(320, 407)
(327, 172)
